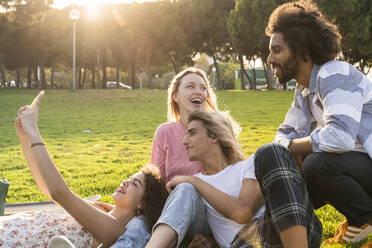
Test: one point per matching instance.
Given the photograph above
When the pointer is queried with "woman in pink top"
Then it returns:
(188, 91)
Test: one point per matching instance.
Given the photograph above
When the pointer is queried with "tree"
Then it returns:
(353, 18)
(246, 24)
(174, 38)
(150, 33)
(6, 30)
(205, 22)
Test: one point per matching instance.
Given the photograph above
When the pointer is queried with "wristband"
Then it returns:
(38, 144)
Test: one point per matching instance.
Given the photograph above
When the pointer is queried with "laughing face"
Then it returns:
(130, 192)
(282, 60)
(191, 94)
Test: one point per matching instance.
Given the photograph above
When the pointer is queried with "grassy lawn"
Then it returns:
(121, 124)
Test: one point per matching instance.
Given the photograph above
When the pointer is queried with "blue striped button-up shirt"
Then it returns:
(339, 102)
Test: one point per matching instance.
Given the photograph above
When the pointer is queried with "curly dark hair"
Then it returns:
(306, 31)
(155, 195)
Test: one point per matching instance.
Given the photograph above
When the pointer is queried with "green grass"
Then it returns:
(122, 125)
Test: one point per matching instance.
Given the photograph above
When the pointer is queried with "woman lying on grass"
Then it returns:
(138, 201)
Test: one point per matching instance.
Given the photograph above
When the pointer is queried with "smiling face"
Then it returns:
(197, 141)
(191, 94)
(281, 59)
(130, 192)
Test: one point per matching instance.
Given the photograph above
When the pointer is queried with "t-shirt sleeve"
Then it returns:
(248, 168)
(158, 153)
(135, 235)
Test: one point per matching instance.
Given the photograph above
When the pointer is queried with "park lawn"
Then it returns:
(121, 125)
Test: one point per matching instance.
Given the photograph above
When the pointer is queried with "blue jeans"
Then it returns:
(185, 212)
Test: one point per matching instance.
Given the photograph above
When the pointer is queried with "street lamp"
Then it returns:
(74, 15)
(214, 76)
(140, 75)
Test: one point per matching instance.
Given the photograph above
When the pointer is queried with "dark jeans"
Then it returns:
(287, 201)
(343, 180)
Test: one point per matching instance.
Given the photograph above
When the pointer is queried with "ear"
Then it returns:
(212, 139)
(175, 97)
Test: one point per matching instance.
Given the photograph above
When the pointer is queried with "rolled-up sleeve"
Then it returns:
(295, 123)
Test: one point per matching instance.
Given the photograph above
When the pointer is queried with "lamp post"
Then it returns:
(214, 76)
(74, 15)
(140, 75)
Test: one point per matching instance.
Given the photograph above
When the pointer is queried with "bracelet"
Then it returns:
(38, 144)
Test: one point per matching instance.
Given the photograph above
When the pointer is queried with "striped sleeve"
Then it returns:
(341, 93)
(295, 123)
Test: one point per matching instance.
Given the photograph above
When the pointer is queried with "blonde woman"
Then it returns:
(189, 90)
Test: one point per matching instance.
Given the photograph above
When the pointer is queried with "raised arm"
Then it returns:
(240, 209)
(104, 227)
(26, 147)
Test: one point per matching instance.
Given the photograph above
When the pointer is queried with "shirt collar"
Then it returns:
(314, 74)
(312, 83)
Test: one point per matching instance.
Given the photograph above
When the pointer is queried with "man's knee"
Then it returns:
(266, 157)
(185, 190)
(183, 196)
(313, 166)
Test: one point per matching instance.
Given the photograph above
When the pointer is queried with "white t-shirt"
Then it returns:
(229, 181)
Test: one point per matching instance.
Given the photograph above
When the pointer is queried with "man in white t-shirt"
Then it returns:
(227, 192)
(229, 181)
(228, 195)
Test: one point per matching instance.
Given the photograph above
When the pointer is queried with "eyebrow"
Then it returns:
(137, 180)
(193, 82)
(275, 46)
(190, 129)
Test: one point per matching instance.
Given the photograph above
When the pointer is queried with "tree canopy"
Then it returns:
(156, 36)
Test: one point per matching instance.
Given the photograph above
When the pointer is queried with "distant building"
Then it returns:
(260, 79)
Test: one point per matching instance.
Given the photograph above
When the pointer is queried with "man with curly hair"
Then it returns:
(327, 131)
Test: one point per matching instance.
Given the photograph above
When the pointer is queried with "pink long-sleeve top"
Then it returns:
(169, 154)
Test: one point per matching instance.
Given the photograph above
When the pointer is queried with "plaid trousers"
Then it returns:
(287, 202)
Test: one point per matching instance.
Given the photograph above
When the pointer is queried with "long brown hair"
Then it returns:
(155, 195)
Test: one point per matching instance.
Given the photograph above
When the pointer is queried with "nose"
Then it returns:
(125, 183)
(185, 140)
(198, 91)
(270, 59)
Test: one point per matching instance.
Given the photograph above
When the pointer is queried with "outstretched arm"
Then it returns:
(26, 146)
(240, 209)
(104, 227)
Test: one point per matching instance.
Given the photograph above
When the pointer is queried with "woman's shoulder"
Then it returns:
(136, 234)
(168, 126)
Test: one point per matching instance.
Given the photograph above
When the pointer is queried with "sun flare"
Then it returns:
(60, 4)
(93, 7)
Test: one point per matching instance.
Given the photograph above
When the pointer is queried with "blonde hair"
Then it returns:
(220, 126)
(173, 108)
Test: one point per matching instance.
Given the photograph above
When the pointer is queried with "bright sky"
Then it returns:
(63, 3)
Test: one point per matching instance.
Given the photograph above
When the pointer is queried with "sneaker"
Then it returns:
(367, 245)
(345, 233)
